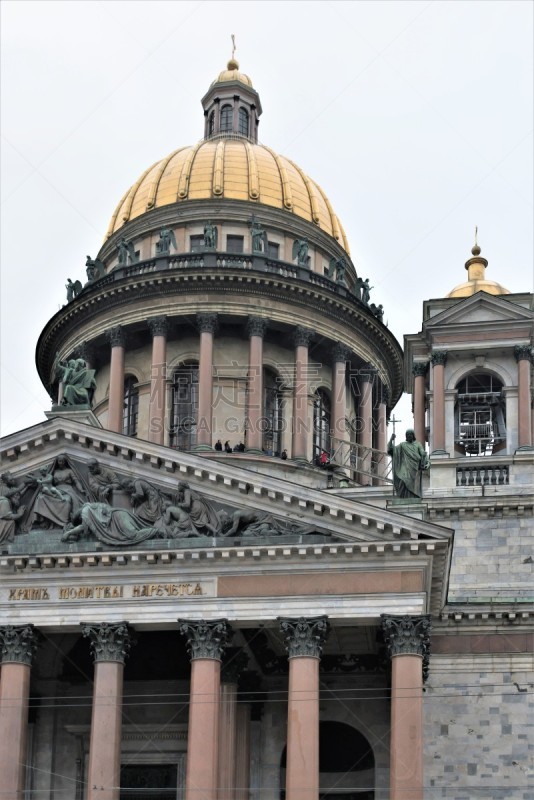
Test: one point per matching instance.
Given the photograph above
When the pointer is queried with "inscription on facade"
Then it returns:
(106, 592)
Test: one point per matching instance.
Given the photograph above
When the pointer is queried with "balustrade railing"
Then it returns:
(490, 475)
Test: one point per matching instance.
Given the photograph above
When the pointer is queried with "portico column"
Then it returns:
(110, 645)
(235, 662)
(381, 432)
(339, 432)
(117, 339)
(256, 328)
(366, 422)
(407, 640)
(299, 444)
(419, 370)
(206, 640)
(159, 327)
(523, 356)
(438, 360)
(18, 644)
(304, 640)
(207, 326)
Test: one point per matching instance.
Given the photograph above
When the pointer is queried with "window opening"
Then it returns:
(144, 781)
(321, 427)
(243, 121)
(273, 250)
(211, 123)
(234, 244)
(184, 407)
(272, 410)
(227, 113)
(196, 243)
(130, 409)
(480, 424)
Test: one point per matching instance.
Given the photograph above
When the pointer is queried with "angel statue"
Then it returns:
(73, 289)
(126, 252)
(300, 252)
(166, 238)
(258, 236)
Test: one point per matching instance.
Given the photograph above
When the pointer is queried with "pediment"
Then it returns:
(480, 308)
(81, 489)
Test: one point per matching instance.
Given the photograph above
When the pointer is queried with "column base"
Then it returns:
(202, 448)
(254, 451)
(525, 448)
(440, 453)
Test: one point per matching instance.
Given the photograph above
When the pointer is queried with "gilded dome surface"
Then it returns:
(231, 73)
(233, 168)
(472, 287)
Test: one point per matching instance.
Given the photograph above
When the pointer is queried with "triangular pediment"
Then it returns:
(480, 308)
(186, 499)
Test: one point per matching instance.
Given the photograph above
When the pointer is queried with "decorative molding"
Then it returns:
(116, 336)
(407, 635)
(302, 337)
(159, 326)
(205, 638)
(257, 326)
(110, 641)
(419, 369)
(207, 323)
(304, 636)
(18, 644)
(523, 352)
(439, 358)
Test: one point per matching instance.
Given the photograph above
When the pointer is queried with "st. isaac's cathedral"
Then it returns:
(219, 580)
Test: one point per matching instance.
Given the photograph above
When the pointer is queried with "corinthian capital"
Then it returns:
(304, 636)
(302, 337)
(110, 641)
(257, 326)
(159, 326)
(406, 635)
(523, 352)
(207, 323)
(18, 644)
(419, 369)
(205, 638)
(340, 353)
(439, 357)
(117, 336)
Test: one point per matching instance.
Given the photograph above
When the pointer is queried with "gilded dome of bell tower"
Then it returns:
(476, 277)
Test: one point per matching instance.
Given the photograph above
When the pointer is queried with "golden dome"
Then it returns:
(232, 168)
(231, 73)
(477, 282)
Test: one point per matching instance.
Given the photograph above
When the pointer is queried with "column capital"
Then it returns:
(116, 336)
(257, 326)
(18, 644)
(304, 636)
(159, 326)
(110, 641)
(207, 323)
(340, 353)
(419, 369)
(383, 394)
(205, 638)
(439, 357)
(523, 352)
(302, 337)
(235, 662)
(407, 635)
(368, 373)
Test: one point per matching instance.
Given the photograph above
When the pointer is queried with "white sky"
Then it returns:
(416, 118)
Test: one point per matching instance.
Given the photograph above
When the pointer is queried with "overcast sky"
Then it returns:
(416, 119)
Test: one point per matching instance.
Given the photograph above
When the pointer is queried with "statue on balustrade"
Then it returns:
(336, 270)
(166, 238)
(73, 289)
(258, 236)
(409, 462)
(78, 383)
(378, 311)
(300, 252)
(210, 235)
(95, 269)
(127, 253)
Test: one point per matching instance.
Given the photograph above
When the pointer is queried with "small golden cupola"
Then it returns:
(231, 105)
(476, 277)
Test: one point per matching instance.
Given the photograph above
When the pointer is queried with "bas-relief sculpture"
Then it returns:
(96, 504)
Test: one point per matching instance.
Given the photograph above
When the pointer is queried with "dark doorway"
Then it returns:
(148, 781)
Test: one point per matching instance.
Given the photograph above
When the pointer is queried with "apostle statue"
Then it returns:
(409, 460)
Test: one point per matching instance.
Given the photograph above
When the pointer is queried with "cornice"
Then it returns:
(112, 302)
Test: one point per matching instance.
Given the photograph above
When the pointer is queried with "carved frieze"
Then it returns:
(109, 641)
(18, 643)
(205, 638)
(304, 636)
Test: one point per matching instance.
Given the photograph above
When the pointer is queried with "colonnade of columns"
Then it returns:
(218, 734)
(372, 411)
